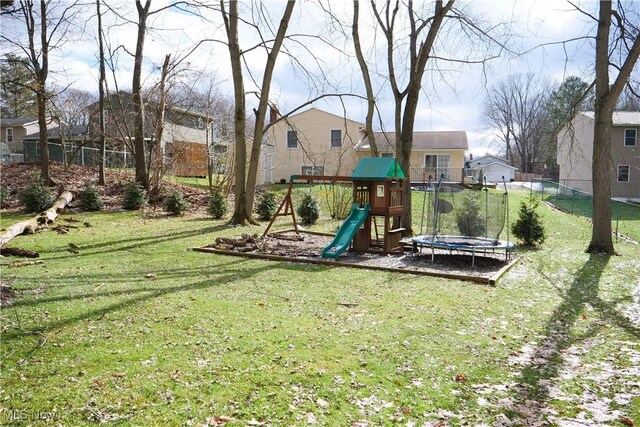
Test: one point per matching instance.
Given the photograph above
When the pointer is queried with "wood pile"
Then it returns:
(273, 244)
(245, 243)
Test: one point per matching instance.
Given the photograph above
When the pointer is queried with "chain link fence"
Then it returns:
(625, 216)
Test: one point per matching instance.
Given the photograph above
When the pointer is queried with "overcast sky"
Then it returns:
(452, 96)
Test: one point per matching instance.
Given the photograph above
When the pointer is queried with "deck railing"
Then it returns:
(422, 174)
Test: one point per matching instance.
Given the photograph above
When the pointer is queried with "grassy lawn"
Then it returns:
(137, 329)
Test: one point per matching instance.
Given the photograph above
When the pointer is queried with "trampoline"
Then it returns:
(463, 220)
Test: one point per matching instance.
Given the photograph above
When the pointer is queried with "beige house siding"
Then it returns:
(622, 155)
(574, 156)
(22, 130)
(313, 129)
(575, 152)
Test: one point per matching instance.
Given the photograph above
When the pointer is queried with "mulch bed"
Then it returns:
(303, 247)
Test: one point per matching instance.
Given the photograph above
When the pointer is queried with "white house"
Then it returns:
(493, 168)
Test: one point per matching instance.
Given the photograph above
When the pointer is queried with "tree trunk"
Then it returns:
(364, 69)
(157, 146)
(601, 240)
(38, 222)
(245, 180)
(606, 99)
(102, 180)
(240, 215)
(40, 70)
(261, 113)
(45, 175)
(138, 105)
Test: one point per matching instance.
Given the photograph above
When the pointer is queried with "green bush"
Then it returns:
(529, 228)
(36, 198)
(133, 198)
(468, 216)
(3, 197)
(308, 211)
(267, 206)
(217, 205)
(90, 199)
(175, 203)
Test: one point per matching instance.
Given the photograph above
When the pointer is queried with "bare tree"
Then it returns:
(625, 44)
(102, 86)
(366, 77)
(420, 38)
(245, 179)
(136, 89)
(517, 109)
(158, 161)
(71, 108)
(416, 36)
(47, 26)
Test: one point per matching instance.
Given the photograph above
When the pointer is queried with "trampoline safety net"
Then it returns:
(463, 212)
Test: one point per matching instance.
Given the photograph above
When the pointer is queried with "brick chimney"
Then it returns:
(274, 114)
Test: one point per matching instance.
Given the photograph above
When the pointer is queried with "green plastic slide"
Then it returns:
(347, 230)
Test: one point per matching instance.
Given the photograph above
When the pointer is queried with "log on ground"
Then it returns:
(38, 222)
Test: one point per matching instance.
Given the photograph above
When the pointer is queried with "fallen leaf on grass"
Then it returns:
(120, 374)
(584, 316)
(98, 384)
(460, 378)
(219, 419)
(151, 276)
(627, 421)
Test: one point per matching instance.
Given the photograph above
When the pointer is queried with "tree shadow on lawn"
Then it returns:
(543, 365)
(137, 242)
(131, 278)
(145, 294)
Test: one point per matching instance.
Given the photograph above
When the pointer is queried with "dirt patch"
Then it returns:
(301, 246)
(7, 294)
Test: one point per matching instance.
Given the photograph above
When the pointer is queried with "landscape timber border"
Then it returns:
(268, 257)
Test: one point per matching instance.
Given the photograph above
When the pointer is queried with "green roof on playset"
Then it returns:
(377, 168)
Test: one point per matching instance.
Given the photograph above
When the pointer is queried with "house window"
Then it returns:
(438, 165)
(312, 170)
(200, 123)
(105, 114)
(336, 138)
(623, 173)
(292, 139)
(630, 136)
(9, 134)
